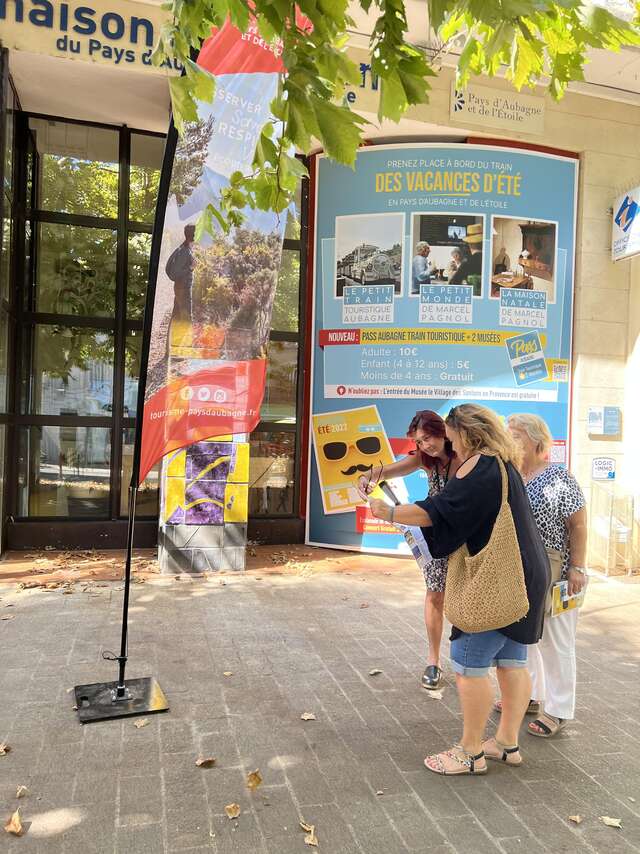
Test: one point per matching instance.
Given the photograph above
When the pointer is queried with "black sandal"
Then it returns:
(503, 753)
(432, 677)
(547, 731)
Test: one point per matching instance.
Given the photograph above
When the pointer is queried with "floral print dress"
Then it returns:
(435, 573)
(555, 495)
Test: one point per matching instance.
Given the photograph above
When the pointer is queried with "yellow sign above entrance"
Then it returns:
(120, 33)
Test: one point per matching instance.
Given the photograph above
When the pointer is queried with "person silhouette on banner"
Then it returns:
(179, 269)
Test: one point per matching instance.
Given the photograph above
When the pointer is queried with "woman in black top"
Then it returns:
(465, 512)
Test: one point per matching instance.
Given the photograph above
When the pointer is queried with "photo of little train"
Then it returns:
(446, 249)
(369, 251)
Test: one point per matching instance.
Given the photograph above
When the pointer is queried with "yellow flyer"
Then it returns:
(561, 602)
(347, 444)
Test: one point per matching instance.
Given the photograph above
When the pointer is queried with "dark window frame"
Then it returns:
(8, 98)
(120, 325)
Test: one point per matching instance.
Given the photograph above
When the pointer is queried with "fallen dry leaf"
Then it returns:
(379, 792)
(22, 792)
(4, 748)
(253, 780)
(232, 810)
(228, 673)
(311, 838)
(375, 672)
(435, 695)
(307, 716)
(305, 826)
(8, 617)
(611, 822)
(14, 825)
(205, 762)
(140, 723)
(364, 605)
(576, 819)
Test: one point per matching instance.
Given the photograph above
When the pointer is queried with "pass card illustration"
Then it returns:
(347, 444)
(527, 358)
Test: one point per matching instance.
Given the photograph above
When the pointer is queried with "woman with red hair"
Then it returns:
(434, 455)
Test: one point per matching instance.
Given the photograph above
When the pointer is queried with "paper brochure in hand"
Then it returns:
(561, 602)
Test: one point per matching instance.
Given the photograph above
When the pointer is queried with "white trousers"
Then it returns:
(552, 665)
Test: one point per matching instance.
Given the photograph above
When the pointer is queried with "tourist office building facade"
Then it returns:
(83, 121)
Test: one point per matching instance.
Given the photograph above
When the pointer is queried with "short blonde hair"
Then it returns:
(536, 429)
(482, 432)
(422, 244)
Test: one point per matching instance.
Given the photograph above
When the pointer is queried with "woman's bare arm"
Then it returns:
(404, 514)
(577, 527)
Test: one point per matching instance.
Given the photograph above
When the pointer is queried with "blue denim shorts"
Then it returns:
(474, 654)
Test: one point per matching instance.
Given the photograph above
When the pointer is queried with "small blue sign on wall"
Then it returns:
(604, 420)
(612, 421)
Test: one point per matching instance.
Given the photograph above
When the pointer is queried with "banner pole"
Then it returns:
(126, 698)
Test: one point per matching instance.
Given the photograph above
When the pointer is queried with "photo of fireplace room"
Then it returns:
(523, 255)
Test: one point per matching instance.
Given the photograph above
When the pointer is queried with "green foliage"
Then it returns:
(234, 282)
(532, 41)
(74, 186)
(190, 157)
(285, 307)
(77, 264)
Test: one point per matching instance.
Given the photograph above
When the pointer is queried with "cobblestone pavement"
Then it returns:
(297, 644)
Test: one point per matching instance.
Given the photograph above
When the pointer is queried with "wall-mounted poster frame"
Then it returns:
(492, 325)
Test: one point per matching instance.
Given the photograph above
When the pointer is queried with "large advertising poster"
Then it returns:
(443, 275)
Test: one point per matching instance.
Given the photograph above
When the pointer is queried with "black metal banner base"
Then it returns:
(99, 701)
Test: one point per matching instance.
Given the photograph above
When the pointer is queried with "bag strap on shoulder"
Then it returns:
(505, 482)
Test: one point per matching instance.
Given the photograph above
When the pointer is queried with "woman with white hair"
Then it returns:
(421, 268)
(559, 510)
(454, 264)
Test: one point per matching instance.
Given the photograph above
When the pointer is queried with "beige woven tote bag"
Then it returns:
(488, 591)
